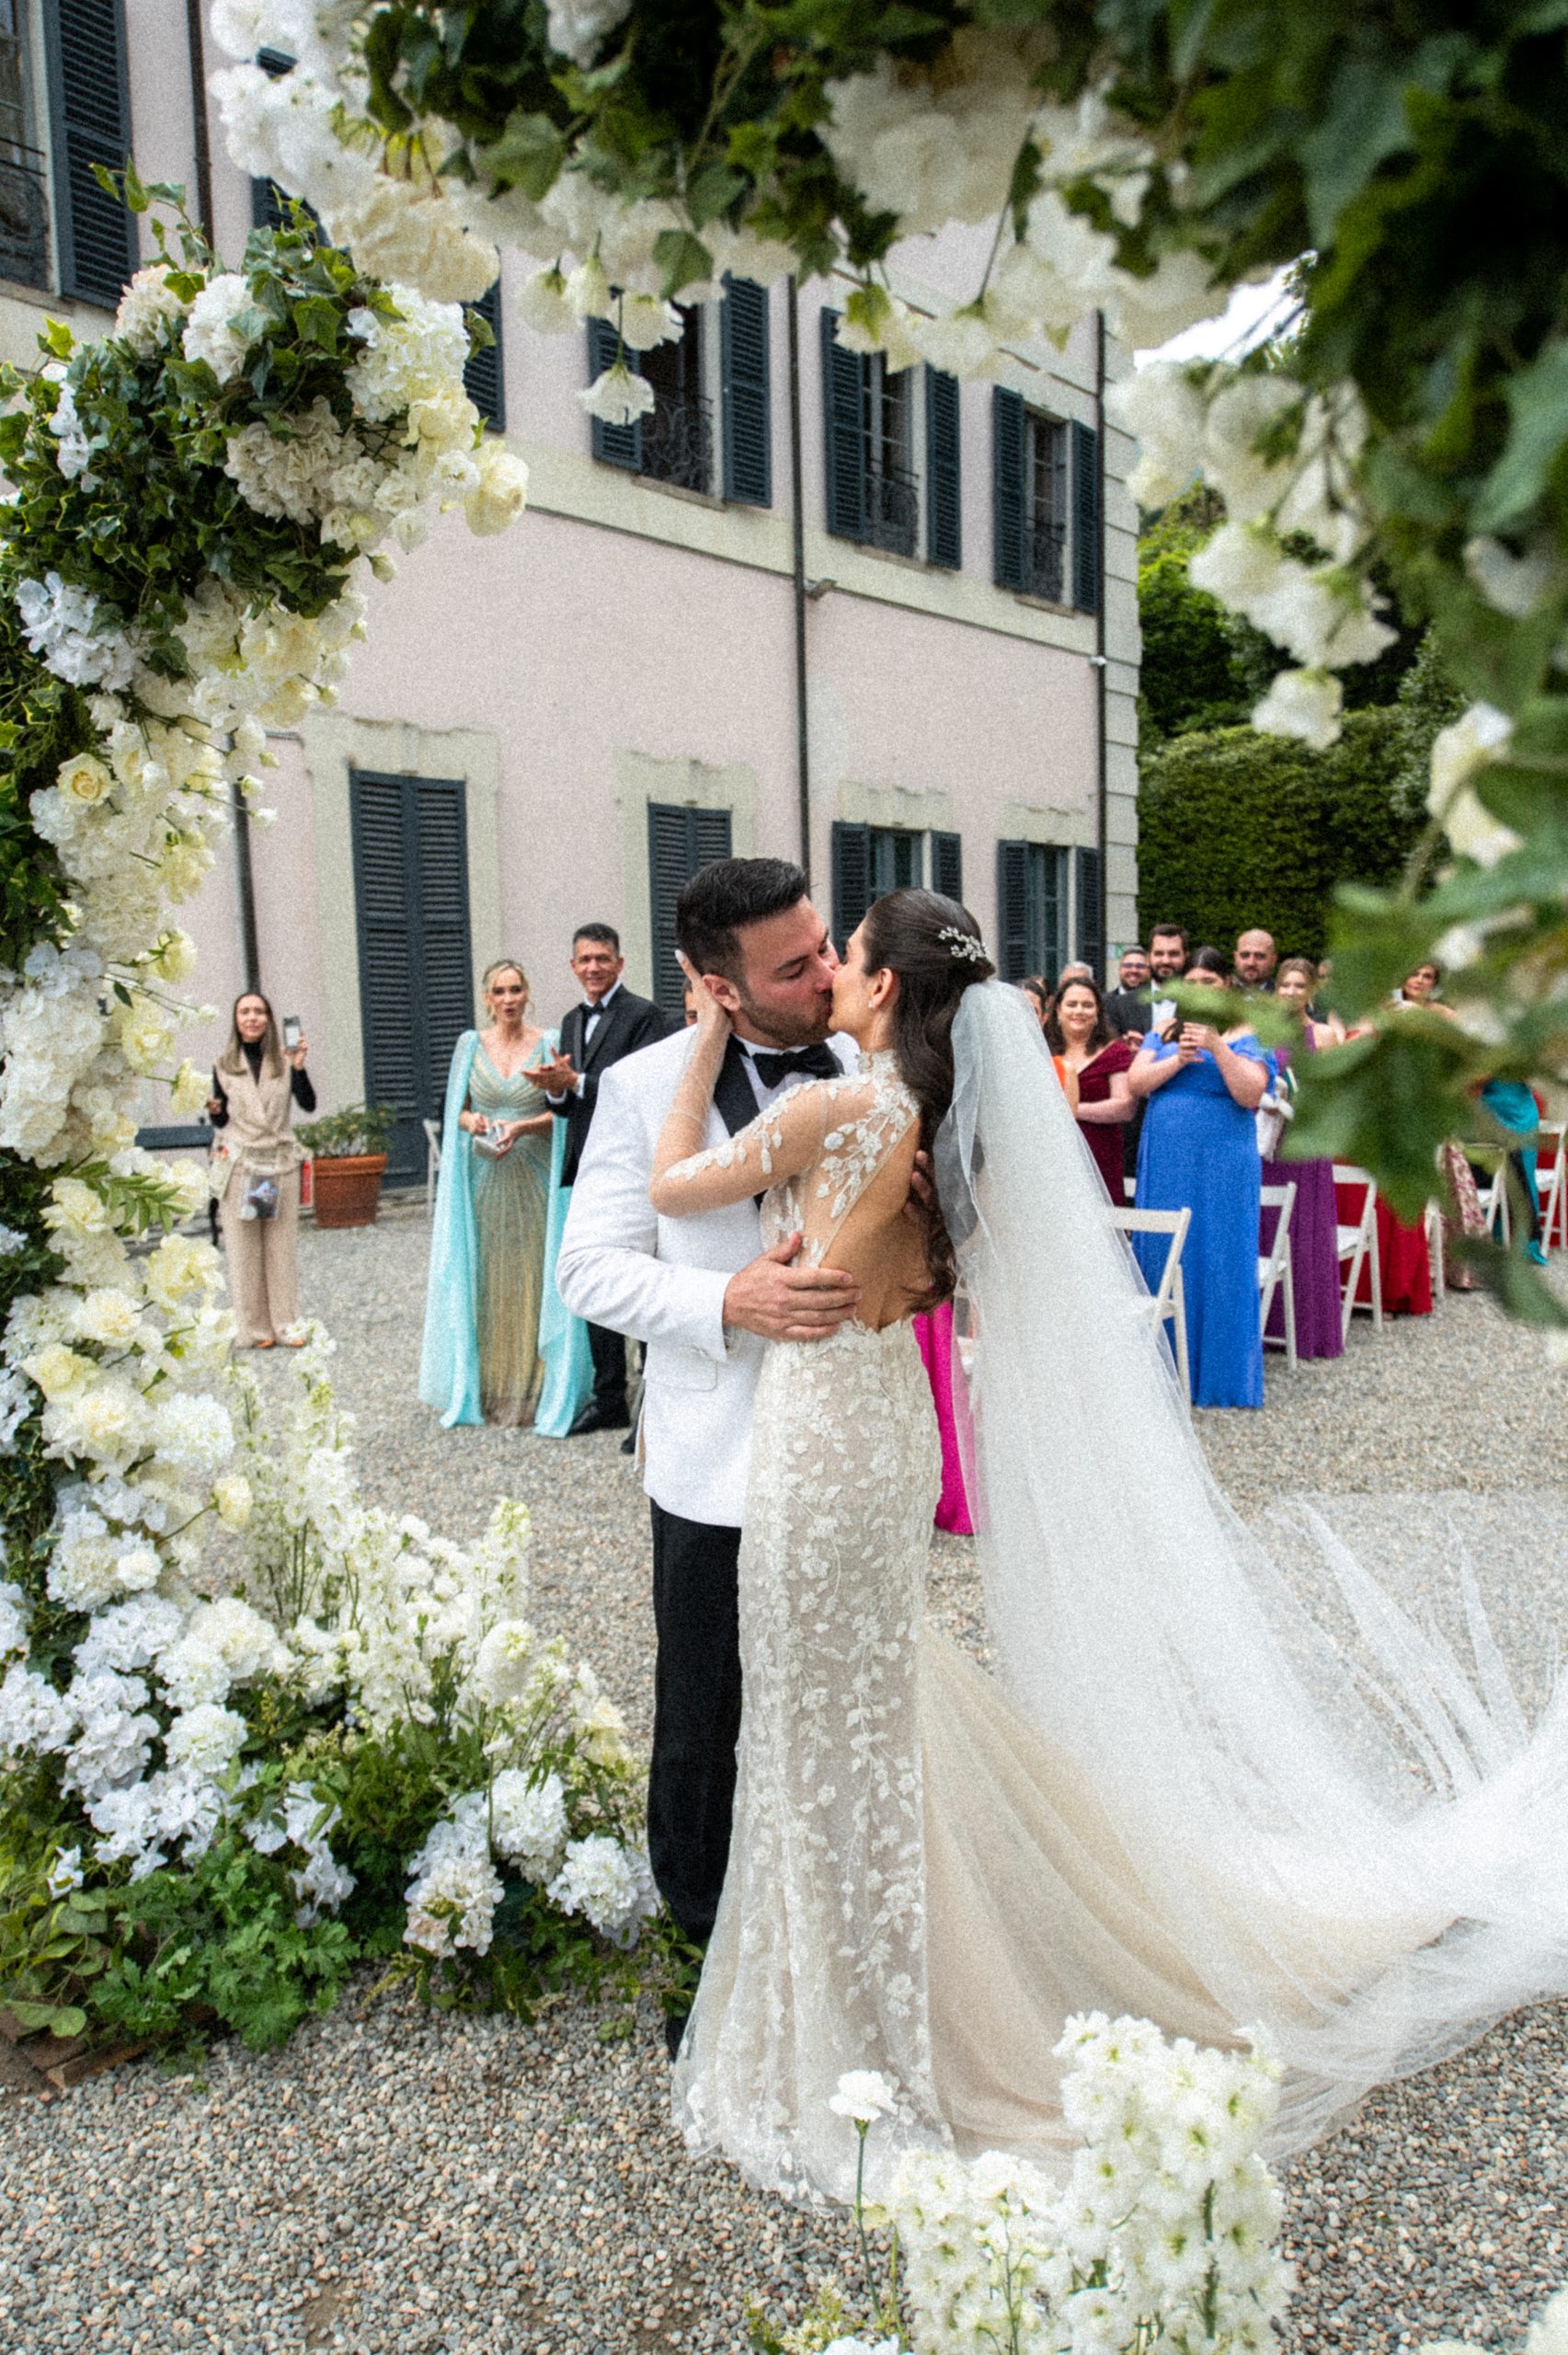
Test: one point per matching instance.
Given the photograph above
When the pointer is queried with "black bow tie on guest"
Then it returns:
(817, 1063)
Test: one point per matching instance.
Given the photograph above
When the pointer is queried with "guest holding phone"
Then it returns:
(255, 1170)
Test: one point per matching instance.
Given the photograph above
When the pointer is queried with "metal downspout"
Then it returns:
(797, 518)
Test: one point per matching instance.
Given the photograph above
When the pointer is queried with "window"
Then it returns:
(416, 962)
(871, 493)
(24, 201)
(90, 119)
(1046, 504)
(1031, 898)
(484, 375)
(1088, 911)
(674, 442)
(870, 860)
(679, 840)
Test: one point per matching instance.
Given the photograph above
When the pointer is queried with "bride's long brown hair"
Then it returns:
(919, 936)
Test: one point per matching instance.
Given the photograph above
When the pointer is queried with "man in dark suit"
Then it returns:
(1128, 1004)
(610, 1022)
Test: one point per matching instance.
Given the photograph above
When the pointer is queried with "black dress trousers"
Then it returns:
(696, 1715)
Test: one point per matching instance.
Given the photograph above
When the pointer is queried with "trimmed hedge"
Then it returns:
(1237, 828)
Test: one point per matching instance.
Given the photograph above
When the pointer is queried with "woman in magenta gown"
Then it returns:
(1314, 1241)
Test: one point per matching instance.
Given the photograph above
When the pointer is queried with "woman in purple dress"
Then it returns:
(1314, 1239)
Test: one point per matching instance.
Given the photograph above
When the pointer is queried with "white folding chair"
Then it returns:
(1274, 1266)
(432, 1164)
(1494, 1208)
(1552, 1184)
(1358, 1246)
(1169, 1301)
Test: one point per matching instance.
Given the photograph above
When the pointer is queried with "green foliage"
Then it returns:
(1237, 828)
(52, 1942)
(357, 1129)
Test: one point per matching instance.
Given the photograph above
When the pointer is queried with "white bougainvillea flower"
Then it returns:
(619, 396)
(1477, 738)
(1306, 704)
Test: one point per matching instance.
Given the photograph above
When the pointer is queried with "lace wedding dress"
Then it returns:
(1178, 1800)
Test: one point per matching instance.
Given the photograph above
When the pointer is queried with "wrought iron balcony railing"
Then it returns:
(1045, 562)
(892, 511)
(678, 443)
(24, 216)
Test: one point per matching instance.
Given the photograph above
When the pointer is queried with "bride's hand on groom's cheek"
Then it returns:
(786, 1303)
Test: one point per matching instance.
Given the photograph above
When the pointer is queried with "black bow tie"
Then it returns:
(817, 1063)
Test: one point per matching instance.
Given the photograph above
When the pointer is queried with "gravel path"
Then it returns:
(397, 2180)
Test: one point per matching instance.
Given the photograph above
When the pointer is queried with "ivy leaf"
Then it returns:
(1537, 439)
(712, 191)
(529, 155)
(318, 320)
(684, 259)
(1363, 124)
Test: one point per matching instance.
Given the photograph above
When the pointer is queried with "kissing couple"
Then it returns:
(1179, 1795)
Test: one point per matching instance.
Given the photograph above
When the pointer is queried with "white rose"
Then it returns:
(501, 495)
(59, 1373)
(76, 1208)
(84, 778)
(146, 1036)
(108, 1316)
(188, 1090)
(174, 960)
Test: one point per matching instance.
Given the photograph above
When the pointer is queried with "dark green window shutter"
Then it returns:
(269, 205)
(415, 956)
(680, 841)
(747, 427)
(947, 865)
(852, 876)
(944, 524)
(90, 112)
(1007, 487)
(1090, 929)
(618, 445)
(843, 420)
(1013, 909)
(484, 375)
(1085, 519)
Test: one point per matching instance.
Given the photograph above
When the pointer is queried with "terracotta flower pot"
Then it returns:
(347, 1189)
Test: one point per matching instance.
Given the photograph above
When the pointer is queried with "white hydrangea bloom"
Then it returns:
(114, 1731)
(610, 1884)
(33, 1717)
(63, 629)
(529, 1822)
(193, 1434)
(74, 452)
(14, 1617)
(16, 1401)
(206, 1738)
(209, 333)
(404, 359)
(148, 304)
(129, 1635)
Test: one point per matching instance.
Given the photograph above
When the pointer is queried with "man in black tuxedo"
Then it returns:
(610, 1022)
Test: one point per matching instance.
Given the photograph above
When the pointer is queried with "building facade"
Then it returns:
(885, 624)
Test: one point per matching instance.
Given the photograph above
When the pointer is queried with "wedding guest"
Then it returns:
(610, 1023)
(255, 1172)
(1314, 1222)
(1127, 1005)
(1517, 1108)
(1203, 1084)
(1404, 1248)
(1080, 1032)
(1167, 952)
(1038, 992)
(1255, 959)
(498, 1346)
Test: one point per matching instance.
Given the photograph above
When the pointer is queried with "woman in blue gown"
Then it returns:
(500, 1347)
(1199, 1152)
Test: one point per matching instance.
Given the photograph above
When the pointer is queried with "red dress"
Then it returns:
(1404, 1262)
(1104, 1138)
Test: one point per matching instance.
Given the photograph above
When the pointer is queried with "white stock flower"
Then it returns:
(577, 27)
(1305, 704)
(618, 397)
(210, 334)
(610, 1884)
(865, 2096)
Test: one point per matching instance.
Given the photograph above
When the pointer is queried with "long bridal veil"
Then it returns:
(1354, 1841)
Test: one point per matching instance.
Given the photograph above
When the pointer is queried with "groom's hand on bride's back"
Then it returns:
(787, 1303)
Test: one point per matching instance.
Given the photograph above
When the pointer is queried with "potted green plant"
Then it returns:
(348, 1152)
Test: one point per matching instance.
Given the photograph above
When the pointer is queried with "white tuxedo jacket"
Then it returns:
(662, 1281)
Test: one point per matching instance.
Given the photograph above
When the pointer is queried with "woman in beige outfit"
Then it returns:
(255, 1088)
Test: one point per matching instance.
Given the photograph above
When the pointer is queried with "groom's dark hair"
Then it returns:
(721, 900)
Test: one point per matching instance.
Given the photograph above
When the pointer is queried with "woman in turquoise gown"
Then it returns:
(1199, 1152)
(498, 1346)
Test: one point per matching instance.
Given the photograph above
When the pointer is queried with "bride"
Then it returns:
(1180, 1796)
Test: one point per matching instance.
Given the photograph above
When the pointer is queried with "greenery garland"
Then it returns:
(1138, 161)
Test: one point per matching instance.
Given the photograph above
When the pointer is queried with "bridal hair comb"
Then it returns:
(963, 944)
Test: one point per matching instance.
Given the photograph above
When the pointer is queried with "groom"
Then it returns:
(704, 1296)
